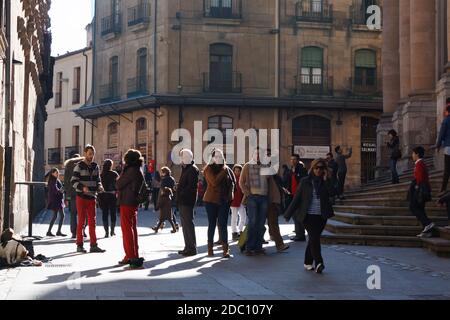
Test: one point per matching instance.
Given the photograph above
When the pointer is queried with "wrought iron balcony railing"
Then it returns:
(369, 87)
(70, 151)
(109, 92)
(222, 83)
(222, 9)
(54, 156)
(139, 14)
(137, 86)
(314, 11)
(111, 24)
(76, 95)
(316, 85)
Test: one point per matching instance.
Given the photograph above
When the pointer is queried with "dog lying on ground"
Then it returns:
(13, 252)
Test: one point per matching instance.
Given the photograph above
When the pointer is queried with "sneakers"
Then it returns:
(425, 235)
(284, 247)
(309, 267)
(96, 249)
(124, 262)
(80, 249)
(320, 267)
(428, 228)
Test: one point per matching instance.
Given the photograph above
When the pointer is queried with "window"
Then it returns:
(316, 6)
(312, 66)
(114, 76)
(76, 85)
(58, 94)
(221, 67)
(221, 8)
(115, 10)
(113, 135)
(222, 123)
(58, 138)
(365, 70)
(142, 69)
(141, 135)
(76, 136)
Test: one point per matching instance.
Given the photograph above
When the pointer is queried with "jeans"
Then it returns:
(274, 227)
(61, 219)
(217, 215)
(108, 207)
(341, 182)
(242, 214)
(393, 168)
(257, 213)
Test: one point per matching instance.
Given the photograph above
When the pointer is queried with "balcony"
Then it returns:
(359, 17)
(369, 87)
(111, 26)
(223, 10)
(137, 87)
(70, 151)
(316, 85)
(54, 156)
(58, 100)
(76, 96)
(109, 92)
(314, 11)
(228, 83)
(139, 16)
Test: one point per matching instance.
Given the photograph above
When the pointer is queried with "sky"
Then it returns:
(69, 19)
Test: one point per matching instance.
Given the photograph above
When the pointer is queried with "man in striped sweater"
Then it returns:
(86, 181)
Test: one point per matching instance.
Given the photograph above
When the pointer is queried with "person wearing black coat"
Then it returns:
(312, 206)
(394, 147)
(187, 193)
(107, 199)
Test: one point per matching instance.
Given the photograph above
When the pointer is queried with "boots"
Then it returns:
(226, 250)
(210, 250)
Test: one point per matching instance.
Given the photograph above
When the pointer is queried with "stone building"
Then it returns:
(65, 134)
(26, 86)
(311, 68)
(416, 76)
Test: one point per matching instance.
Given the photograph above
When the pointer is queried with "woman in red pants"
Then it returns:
(128, 185)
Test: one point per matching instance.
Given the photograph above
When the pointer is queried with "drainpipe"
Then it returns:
(277, 48)
(85, 92)
(8, 148)
(155, 81)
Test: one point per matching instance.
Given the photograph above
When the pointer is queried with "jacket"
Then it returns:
(69, 166)
(394, 147)
(302, 200)
(214, 191)
(238, 195)
(85, 175)
(444, 134)
(244, 182)
(300, 173)
(109, 179)
(341, 161)
(187, 186)
(55, 195)
(128, 185)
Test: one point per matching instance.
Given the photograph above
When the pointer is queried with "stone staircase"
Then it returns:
(377, 214)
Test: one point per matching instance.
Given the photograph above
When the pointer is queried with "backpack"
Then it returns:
(144, 193)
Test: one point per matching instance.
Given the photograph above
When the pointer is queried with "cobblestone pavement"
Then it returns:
(405, 273)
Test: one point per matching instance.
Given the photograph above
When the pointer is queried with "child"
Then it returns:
(164, 202)
(55, 202)
(237, 208)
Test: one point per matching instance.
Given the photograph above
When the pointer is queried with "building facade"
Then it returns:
(65, 133)
(310, 68)
(416, 76)
(26, 86)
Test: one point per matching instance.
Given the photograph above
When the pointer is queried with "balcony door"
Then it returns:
(312, 70)
(221, 67)
(365, 71)
(114, 76)
(142, 70)
(221, 8)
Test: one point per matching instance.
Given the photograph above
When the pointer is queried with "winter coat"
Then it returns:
(69, 166)
(187, 186)
(128, 185)
(55, 195)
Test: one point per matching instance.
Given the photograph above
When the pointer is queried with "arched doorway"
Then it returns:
(311, 137)
(368, 148)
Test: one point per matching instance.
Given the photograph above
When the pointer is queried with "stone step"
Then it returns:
(382, 201)
(357, 219)
(435, 185)
(387, 211)
(444, 233)
(368, 240)
(338, 227)
(439, 246)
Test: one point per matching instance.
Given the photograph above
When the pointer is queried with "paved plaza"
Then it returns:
(405, 273)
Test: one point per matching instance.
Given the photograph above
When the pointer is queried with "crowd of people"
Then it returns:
(251, 198)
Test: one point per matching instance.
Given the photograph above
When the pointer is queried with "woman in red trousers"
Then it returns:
(128, 185)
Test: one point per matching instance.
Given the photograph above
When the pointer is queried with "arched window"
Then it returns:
(221, 67)
(365, 71)
(113, 135)
(311, 67)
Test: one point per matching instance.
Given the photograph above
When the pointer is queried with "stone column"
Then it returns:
(420, 111)
(391, 77)
(405, 49)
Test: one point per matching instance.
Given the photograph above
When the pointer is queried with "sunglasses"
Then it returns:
(319, 168)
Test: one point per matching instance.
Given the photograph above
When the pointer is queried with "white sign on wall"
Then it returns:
(311, 152)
